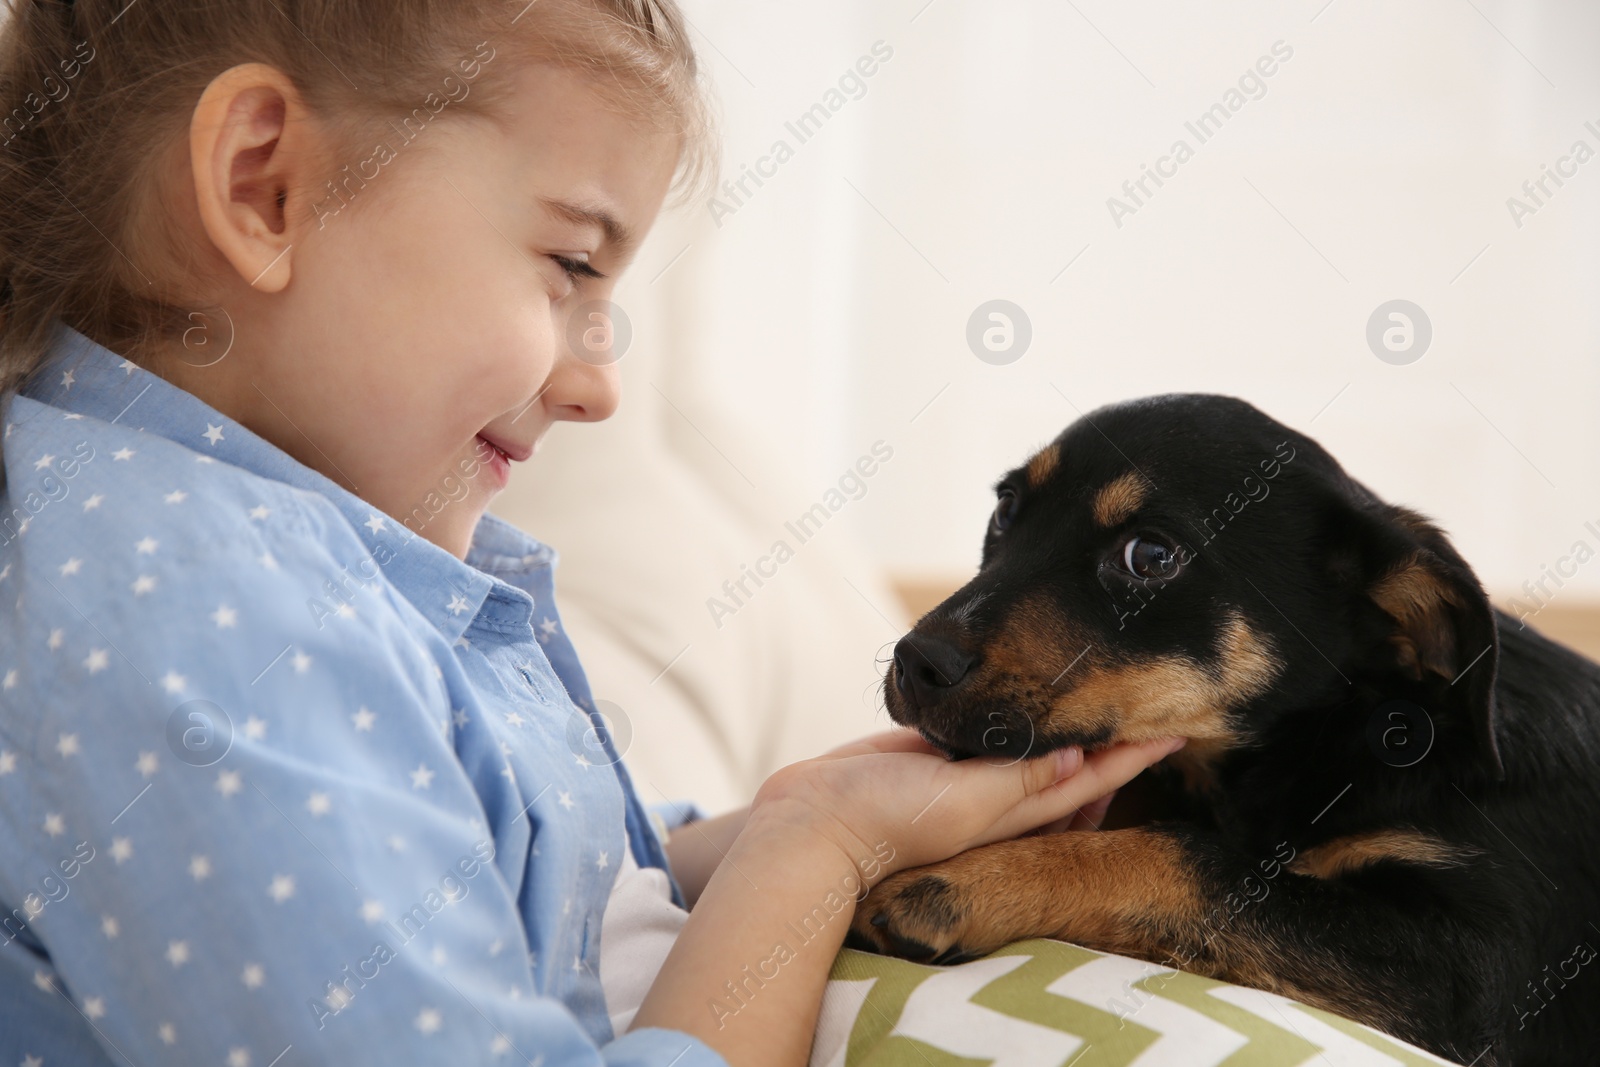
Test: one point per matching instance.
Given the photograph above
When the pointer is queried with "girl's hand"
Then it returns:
(892, 801)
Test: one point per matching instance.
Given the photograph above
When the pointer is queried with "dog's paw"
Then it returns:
(921, 915)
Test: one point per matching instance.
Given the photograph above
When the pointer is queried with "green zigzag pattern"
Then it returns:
(1112, 1040)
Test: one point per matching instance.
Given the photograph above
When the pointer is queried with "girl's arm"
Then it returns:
(747, 973)
(694, 850)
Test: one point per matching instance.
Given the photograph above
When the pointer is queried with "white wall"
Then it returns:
(830, 308)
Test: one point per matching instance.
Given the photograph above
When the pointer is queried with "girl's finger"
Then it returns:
(1101, 773)
(888, 741)
(1092, 814)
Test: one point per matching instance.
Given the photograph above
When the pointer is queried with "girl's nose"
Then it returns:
(583, 391)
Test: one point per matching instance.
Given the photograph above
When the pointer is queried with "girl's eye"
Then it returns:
(1005, 510)
(576, 269)
(1149, 559)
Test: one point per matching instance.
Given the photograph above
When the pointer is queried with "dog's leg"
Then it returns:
(1180, 897)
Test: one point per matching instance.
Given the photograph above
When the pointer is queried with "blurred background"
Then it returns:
(1376, 222)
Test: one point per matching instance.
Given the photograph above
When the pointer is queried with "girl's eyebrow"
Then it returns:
(618, 236)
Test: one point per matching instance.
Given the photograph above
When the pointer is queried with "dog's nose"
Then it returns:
(928, 667)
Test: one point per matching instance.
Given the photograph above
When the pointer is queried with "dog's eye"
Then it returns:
(1149, 559)
(1005, 510)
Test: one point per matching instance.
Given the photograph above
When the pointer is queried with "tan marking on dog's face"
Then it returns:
(1333, 858)
(1174, 696)
(1119, 498)
(1043, 464)
(1035, 642)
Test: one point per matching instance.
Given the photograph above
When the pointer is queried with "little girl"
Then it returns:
(297, 765)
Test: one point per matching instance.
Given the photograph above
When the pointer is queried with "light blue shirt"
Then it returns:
(281, 781)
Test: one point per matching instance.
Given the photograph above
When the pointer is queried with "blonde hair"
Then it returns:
(95, 94)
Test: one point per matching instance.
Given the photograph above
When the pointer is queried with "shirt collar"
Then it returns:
(84, 377)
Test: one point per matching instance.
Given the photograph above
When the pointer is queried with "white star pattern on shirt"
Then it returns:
(252, 976)
(255, 729)
(602, 863)
(372, 911)
(32, 1061)
(301, 661)
(319, 804)
(460, 718)
(71, 567)
(428, 1021)
(94, 501)
(8, 761)
(200, 868)
(67, 745)
(177, 496)
(109, 926)
(238, 1057)
(225, 617)
(500, 1045)
(46, 983)
(121, 849)
(67, 378)
(212, 434)
(146, 546)
(54, 824)
(260, 512)
(56, 637)
(142, 585)
(177, 953)
(375, 524)
(146, 764)
(549, 627)
(173, 682)
(282, 887)
(268, 562)
(123, 454)
(566, 799)
(168, 1034)
(94, 1007)
(457, 605)
(97, 660)
(228, 783)
(43, 462)
(422, 777)
(364, 720)
(513, 719)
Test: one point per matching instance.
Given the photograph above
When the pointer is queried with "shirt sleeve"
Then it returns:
(670, 815)
(278, 857)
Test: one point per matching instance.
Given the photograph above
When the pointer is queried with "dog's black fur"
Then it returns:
(1389, 804)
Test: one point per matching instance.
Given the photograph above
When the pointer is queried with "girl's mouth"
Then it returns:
(497, 463)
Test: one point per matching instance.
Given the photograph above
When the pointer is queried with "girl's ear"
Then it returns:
(248, 140)
(1441, 625)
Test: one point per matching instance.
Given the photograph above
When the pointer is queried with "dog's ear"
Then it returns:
(1443, 623)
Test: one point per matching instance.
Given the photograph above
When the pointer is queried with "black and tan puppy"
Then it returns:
(1389, 805)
